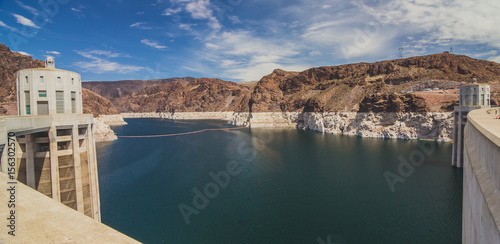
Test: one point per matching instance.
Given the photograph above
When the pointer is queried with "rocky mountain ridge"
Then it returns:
(344, 87)
(200, 95)
(386, 86)
(117, 89)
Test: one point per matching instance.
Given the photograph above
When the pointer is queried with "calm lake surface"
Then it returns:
(286, 186)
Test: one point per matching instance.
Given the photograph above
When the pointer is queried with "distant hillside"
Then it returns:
(200, 95)
(354, 86)
(11, 62)
(95, 104)
(117, 89)
(250, 84)
(390, 86)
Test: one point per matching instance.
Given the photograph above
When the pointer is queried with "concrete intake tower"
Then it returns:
(54, 141)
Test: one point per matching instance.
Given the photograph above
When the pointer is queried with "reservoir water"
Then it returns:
(276, 186)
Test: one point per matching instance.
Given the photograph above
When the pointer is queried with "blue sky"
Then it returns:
(241, 39)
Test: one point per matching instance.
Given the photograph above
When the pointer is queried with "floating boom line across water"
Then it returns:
(184, 133)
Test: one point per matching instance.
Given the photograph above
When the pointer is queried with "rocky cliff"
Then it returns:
(95, 104)
(10, 63)
(117, 89)
(200, 95)
(348, 87)
(383, 99)
(424, 126)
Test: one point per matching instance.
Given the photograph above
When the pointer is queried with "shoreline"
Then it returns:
(408, 126)
(102, 127)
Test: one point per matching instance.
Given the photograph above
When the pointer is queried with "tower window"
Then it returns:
(26, 79)
(42, 80)
(60, 102)
(59, 80)
(72, 81)
(27, 100)
(42, 93)
(73, 102)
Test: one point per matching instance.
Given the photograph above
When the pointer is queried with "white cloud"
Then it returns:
(309, 33)
(78, 11)
(152, 44)
(141, 25)
(94, 53)
(24, 53)
(140, 13)
(244, 56)
(32, 10)
(186, 27)
(199, 9)
(24, 21)
(100, 64)
(495, 59)
(53, 52)
(444, 21)
(103, 66)
(234, 19)
(171, 11)
(2, 24)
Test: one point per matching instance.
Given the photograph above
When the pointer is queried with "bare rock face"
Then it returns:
(427, 126)
(351, 87)
(116, 89)
(103, 131)
(200, 95)
(393, 103)
(10, 63)
(97, 105)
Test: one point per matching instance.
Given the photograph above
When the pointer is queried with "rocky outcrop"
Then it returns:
(393, 103)
(96, 105)
(343, 88)
(423, 126)
(112, 120)
(117, 89)
(200, 95)
(103, 132)
(102, 127)
(10, 63)
(105, 115)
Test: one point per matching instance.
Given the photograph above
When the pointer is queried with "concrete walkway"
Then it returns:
(39, 219)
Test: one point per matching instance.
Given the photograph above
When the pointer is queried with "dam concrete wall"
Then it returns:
(481, 199)
(40, 219)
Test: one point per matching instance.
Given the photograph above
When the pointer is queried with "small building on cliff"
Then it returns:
(50, 145)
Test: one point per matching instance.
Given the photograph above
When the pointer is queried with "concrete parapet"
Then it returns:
(481, 199)
(40, 219)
